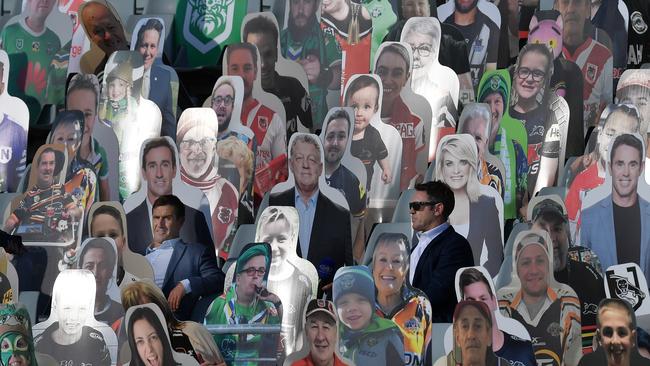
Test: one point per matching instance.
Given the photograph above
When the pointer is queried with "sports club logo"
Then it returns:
(624, 284)
(592, 71)
(637, 22)
(5, 154)
(208, 23)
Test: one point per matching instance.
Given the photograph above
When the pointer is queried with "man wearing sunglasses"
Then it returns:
(439, 251)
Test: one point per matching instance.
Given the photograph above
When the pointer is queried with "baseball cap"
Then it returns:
(321, 306)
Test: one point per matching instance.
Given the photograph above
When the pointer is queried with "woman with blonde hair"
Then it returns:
(475, 214)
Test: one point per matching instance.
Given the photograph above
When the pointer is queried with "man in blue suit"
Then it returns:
(621, 218)
(184, 271)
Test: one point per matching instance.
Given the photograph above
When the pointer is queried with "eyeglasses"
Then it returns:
(227, 100)
(205, 143)
(524, 73)
(423, 50)
(250, 271)
(419, 205)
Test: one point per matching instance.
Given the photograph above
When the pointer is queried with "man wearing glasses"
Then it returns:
(184, 271)
(158, 171)
(439, 251)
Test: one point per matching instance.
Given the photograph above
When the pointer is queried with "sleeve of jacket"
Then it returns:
(439, 281)
(493, 240)
(347, 239)
(203, 231)
(210, 279)
(167, 109)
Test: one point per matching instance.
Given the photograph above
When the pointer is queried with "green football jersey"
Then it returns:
(383, 17)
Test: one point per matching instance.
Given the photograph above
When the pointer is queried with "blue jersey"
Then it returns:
(13, 153)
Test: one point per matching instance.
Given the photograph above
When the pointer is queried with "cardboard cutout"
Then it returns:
(143, 320)
(326, 237)
(638, 53)
(160, 176)
(9, 280)
(278, 75)
(559, 307)
(79, 42)
(16, 336)
(107, 219)
(478, 213)
(481, 30)
(438, 84)
(14, 126)
(99, 255)
(616, 212)
(383, 18)
(609, 17)
(133, 118)
(73, 301)
(148, 39)
(626, 282)
(292, 278)
(31, 45)
(198, 129)
(377, 144)
(263, 113)
(247, 301)
(394, 65)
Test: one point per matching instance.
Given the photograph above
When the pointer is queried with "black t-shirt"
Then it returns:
(114, 312)
(567, 82)
(369, 149)
(598, 358)
(638, 36)
(517, 351)
(296, 102)
(348, 184)
(627, 227)
(90, 350)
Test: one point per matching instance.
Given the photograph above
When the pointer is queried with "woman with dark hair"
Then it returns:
(148, 340)
(148, 41)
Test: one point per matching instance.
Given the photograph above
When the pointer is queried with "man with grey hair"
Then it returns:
(328, 245)
(475, 120)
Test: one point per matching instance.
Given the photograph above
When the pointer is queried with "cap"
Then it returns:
(634, 77)
(495, 84)
(530, 238)
(321, 306)
(354, 279)
(479, 305)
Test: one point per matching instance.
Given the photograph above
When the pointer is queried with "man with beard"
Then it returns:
(616, 335)
(615, 227)
(481, 35)
(593, 58)
(303, 41)
(263, 33)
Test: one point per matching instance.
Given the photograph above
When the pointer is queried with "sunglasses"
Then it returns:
(419, 205)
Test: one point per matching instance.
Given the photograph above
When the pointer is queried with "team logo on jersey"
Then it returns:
(412, 325)
(263, 122)
(554, 329)
(208, 23)
(96, 336)
(638, 24)
(36, 46)
(626, 287)
(224, 214)
(376, 12)
(19, 44)
(5, 154)
(372, 341)
(592, 71)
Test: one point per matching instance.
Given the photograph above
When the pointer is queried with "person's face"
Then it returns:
(240, 63)
(391, 68)
(389, 267)
(96, 261)
(198, 149)
(477, 127)
(455, 172)
(72, 314)
(495, 101)
(465, 6)
(355, 311)
(46, 169)
(306, 165)
(159, 170)
(268, 49)
(336, 139)
(364, 102)
(415, 8)
(617, 123)
(117, 89)
(247, 284)
(165, 223)
(103, 28)
(322, 338)
(473, 335)
(616, 337)
(14, 349)
(300, 11)
(105, 225)
(149, 47)
(534, 65)
(278, 235)
(148, 343)
(84, 100)
(331, 6)
(574, 13)
(560, 239)
(425, 219)
(223, 103)
(39, 9)
(422, 46)
(479, 291)
(627, 166)
(67, 135)
(636, 95)
(532, 269)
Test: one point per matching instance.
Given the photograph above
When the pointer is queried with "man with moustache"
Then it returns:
(481, 35)
(615, 227)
